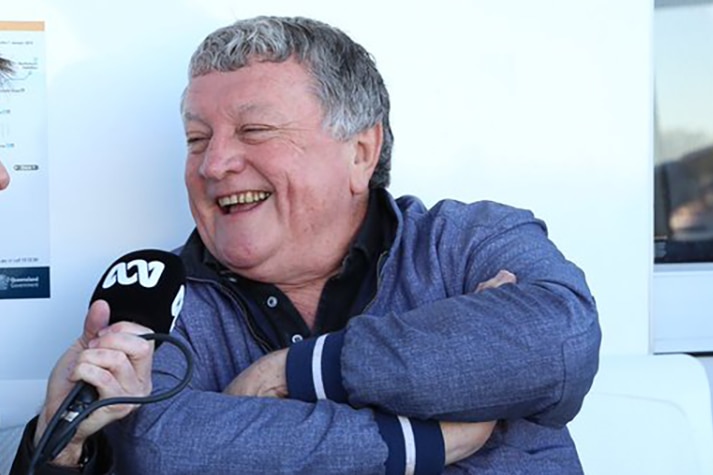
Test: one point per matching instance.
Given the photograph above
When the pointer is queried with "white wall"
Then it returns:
(544, 105)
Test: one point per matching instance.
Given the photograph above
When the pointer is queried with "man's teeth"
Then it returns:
(247, 198)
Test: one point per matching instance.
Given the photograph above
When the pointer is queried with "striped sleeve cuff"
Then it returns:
(415, 446)
(314, 369)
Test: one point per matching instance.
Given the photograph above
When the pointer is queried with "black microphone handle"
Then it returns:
(78, 399)
(78, 405)
(145, 287)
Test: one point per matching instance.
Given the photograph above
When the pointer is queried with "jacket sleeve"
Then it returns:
(201, 430)
(528, 350)
(98, 456)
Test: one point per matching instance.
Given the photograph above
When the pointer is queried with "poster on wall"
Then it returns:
(24, 205)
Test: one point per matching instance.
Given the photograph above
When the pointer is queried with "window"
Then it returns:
(683, 149)
(682, 291)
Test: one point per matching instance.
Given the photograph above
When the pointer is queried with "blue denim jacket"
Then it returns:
(428, 347)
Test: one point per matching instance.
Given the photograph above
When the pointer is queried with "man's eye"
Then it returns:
(253, 130)
(195, 143)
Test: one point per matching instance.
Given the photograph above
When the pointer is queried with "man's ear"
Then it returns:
(366, 156)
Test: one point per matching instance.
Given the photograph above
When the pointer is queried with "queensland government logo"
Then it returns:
(25, 283)
(10, 283)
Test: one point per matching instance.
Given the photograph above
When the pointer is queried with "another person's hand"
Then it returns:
(266, 377)
(113, 359)
(4, 177)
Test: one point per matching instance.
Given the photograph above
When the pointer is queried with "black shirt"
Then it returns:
(272, 316)
(345, 294)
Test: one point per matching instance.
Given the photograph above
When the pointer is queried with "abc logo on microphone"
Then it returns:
(146, 287)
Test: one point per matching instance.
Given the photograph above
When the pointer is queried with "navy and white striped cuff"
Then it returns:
(415, 446)
(314, 369)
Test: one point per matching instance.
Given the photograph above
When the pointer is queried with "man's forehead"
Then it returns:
(234, 109)
(258, 88)
(289, 68)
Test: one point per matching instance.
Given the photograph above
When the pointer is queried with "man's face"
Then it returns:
(4, 177)
(274, 196)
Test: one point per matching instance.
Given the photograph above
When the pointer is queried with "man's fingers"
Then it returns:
(135, 347)
(501, 278)
(97, 318)
(123, 337)
(463, 439)
(102, 378)
(504, 277)
(107, 386)
(111, 372)
(264, 378)
(128, 327)
(243, 385)
(276, 392)
(132, 351)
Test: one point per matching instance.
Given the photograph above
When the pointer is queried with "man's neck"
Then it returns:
(306, 300)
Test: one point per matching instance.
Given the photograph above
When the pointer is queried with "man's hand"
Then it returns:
(501, 278)
(265, 378)
(463, 439)
(114, 360)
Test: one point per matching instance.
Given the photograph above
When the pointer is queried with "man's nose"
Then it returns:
(222, 156)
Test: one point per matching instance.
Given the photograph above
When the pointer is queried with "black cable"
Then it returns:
(44, 453)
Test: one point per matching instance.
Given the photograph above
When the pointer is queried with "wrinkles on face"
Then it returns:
(268, 184)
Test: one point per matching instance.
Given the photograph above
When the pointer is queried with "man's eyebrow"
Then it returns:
(189, 116)
(236, 111)
(250, 107)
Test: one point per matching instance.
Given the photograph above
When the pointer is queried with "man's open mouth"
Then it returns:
(227, 203)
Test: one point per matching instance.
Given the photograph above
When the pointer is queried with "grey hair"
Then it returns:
(347, 83)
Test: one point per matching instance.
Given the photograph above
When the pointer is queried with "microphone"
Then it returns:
(145, 287)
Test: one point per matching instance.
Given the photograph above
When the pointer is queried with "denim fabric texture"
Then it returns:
(427, 347)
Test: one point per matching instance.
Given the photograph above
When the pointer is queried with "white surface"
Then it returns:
(544, 105)
(20, 400)
(9, 440)
(522, 102)
(648, 415)
(682, 308)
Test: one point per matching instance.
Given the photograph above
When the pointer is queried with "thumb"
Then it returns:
(97, 318)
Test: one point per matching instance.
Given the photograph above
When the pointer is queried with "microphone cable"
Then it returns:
(44, 453)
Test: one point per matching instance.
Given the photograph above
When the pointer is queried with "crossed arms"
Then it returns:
(524, 351)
